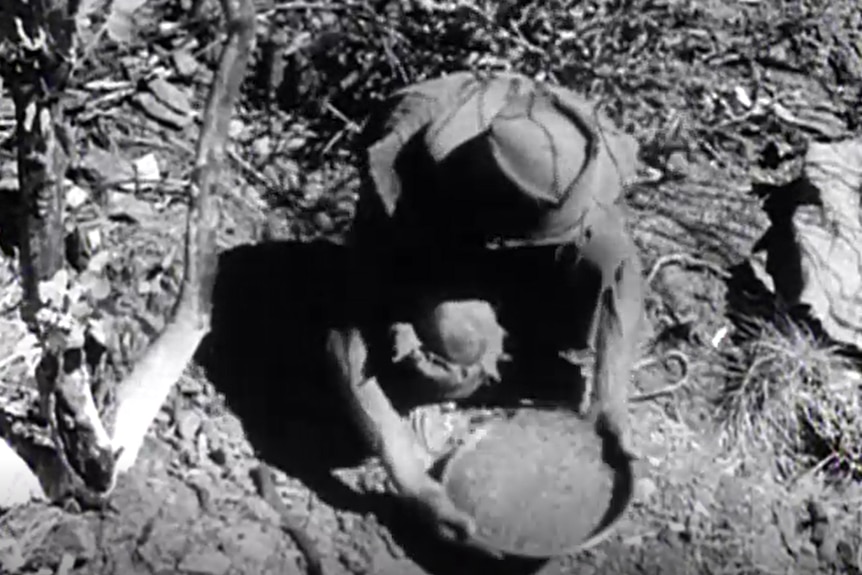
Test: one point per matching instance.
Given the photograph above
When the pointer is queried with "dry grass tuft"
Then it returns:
(792, 396)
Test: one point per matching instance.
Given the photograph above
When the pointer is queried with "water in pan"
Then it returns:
(536, 482)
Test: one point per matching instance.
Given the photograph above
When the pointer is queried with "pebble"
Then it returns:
(75, 537)
(71, 536)
(185, 63)
(188, 424)
(11, 556)
(190, 386)
(213, 563)
(262, 147)
(646, 489)
(202, 445)
(323, 222)
(248, 541)
(676, 527)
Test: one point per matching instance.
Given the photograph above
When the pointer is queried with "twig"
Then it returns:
(322, 6)
(350, 124)
(668, 389)
(263, 479)
(251, 170)
(687, 261)
(814, 470)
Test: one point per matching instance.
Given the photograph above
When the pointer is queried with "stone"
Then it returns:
(646, 489)
(188, 425)
(76, 537)
(11, 556)
(70, 536)
(210, 563)
(185, 63)
(250, 542)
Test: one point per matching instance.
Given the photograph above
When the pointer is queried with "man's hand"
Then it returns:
(434, 372)
(437, 510)
(616, 437)
(393, 440)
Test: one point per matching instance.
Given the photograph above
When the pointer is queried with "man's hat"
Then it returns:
(549, 144)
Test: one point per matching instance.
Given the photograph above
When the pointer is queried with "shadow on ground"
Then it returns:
(272, 305)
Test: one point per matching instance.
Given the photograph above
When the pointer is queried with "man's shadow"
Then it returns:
(272, 306)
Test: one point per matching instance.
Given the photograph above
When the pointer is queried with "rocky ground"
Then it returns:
(720, 93)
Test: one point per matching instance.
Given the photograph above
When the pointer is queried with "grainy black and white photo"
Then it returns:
(430, 287)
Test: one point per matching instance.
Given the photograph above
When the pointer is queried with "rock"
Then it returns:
(147, 174)
(73, 536)
(812, 248)
(770, 552)
(262, 147)
(211, 563)
(18, 483)
(188, 425)
(127, 207)
(236, 128)
(671, 537)
(105, 168)
(11, 556)
(190, 386)
(76, 196)
(175, 98)
(646, 489)
(323, 222)
(185, 63)
(157, 110)
(250, 541)
(121, 24)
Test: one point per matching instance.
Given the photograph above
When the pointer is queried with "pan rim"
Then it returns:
(621, 495)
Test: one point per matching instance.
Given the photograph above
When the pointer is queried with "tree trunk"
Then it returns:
(42, 163)
(36, 49)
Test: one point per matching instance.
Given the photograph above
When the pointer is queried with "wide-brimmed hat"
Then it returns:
(559, 156)
(502, 160)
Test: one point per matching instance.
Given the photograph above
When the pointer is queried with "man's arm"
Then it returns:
(391, 437)
(384, 430)
(617, 324)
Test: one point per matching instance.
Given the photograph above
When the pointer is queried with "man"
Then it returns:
(489, 206)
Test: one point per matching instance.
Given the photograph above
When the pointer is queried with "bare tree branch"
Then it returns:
(142, 393)
(37, 49)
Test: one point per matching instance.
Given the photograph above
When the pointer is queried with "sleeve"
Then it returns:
(401, 118)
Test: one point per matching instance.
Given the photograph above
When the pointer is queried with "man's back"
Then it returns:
(492, 161)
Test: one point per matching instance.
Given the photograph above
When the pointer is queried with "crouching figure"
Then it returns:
(489, 242)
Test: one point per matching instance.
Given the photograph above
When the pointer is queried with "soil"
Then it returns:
(536, 483)
(254, 395)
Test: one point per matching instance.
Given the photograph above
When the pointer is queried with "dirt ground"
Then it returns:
(254, 393)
